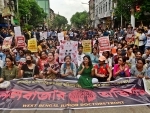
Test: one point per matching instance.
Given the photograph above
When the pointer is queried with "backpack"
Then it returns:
(65, 67)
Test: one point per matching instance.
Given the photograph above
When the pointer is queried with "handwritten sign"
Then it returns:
(32, 45)
(87, 47)
(104, 44)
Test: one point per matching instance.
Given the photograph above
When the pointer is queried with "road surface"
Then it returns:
(137, 109)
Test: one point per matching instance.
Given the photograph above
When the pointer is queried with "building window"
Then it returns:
(106, 6)
(109, 4)
(101, 9)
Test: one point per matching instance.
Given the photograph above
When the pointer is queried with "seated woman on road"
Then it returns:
(51, 69)
(43, 60)
(102, 70)
(29, 69)
(94, 56)
(86, 72)
(121, 69)
(68, 69)
(139, 70)
(10, 71)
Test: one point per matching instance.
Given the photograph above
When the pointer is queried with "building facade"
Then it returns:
(103, 13)
(45, 4)
(92, 13)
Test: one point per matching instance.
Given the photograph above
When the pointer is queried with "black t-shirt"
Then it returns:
(29, 72)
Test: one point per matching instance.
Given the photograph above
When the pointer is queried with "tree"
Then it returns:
(59, 21)
(79, 19)
(124, 8)
(30, 10)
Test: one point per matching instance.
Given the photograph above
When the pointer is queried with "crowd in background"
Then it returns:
(128, 56)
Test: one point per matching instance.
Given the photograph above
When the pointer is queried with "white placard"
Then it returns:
(60, 37)
(17, 31)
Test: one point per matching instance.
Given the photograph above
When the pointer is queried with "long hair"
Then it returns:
(88, 57)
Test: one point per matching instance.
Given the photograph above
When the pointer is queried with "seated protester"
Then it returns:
(139, 70)
(80, 55)
(20, 55)
(148, 67)
(42, 60)
(28, 53)
(53, 50)
(10, 71)
(51, 69)
(29, 69)
(85, 73)
(3, 55)
(147, 54)
(108, 60)
(138, 55)
(94, 56)
(116, 57)
(102, 70)
(130, 55)
(68, 69)
(40, 45)
(121, 69)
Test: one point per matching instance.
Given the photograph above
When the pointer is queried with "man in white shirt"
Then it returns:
(80, 55)
(148, 39)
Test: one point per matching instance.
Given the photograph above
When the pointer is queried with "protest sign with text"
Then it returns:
(104, 44)
(87, 46)
(32, 45)
(20, 41)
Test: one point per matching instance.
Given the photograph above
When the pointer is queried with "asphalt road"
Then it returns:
(137, 109)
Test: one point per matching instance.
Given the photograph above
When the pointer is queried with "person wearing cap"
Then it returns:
(102, 71)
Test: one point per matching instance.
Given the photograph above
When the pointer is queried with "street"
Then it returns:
(137, 109)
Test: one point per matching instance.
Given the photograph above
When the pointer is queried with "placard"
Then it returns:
(68, 48)
(32, 45)
(87, 47)
(104, 44)
(17, 31)
(7, 43)
(60, 36)
(20, 41)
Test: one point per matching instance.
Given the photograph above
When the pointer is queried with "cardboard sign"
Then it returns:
(20, 41)
(60, 36)
(104, 44)
(87, 47)
(32, 45)
(17, 31)
(7, 43)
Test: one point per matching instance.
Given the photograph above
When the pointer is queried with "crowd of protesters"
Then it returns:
(127, 57)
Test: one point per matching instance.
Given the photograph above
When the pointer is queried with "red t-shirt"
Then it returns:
(102, 69)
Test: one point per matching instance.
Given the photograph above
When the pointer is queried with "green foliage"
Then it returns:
(124, 6)
(79, 19)
(31, 10)
(59, 22)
